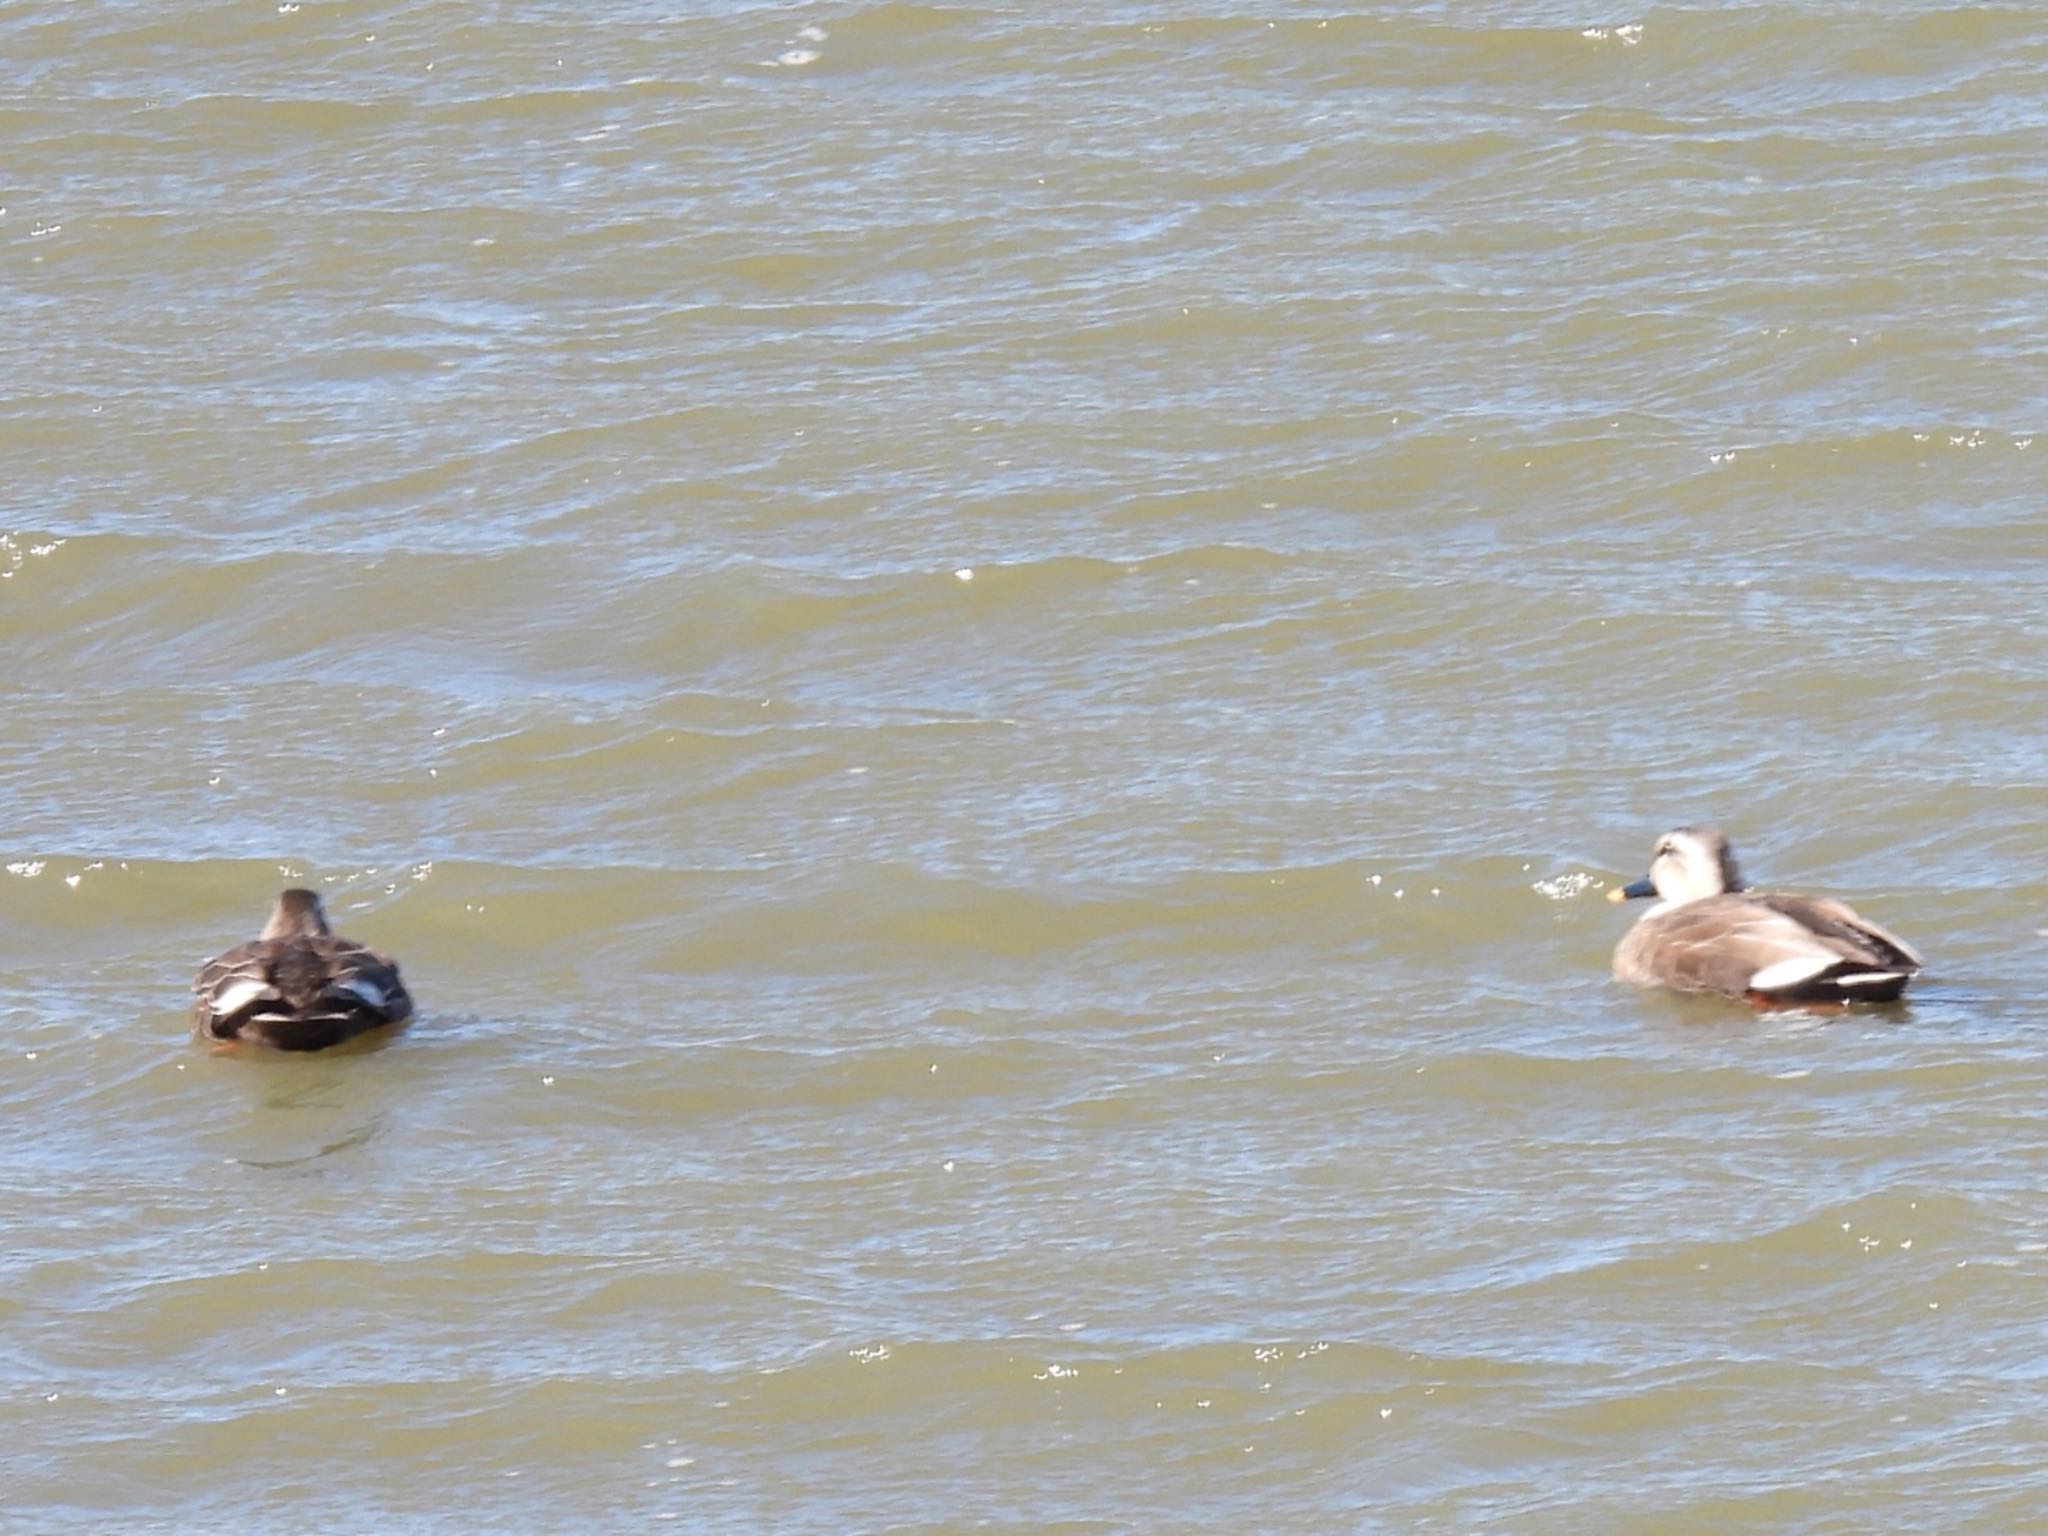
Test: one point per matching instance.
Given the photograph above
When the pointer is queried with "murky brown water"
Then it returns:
(985, 663)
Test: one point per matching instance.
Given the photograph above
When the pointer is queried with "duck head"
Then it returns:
(1689, 864)
(297, 915)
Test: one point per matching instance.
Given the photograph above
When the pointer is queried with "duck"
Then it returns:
(1710, 933)
(298, 985)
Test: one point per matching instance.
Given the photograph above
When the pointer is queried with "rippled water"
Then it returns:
(986, 663)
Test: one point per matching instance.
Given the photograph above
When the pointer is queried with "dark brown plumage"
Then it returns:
(1708, 933)
(298, 986)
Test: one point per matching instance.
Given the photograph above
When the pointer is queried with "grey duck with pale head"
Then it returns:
(1710, 933)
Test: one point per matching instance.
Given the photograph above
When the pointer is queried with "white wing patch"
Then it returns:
(1789, 973)
(234, 998)
(368, 991)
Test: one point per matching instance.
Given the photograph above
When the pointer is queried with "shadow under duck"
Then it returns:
(298, 986)
(1710, 933)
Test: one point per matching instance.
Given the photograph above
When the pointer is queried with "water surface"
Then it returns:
(987, 663)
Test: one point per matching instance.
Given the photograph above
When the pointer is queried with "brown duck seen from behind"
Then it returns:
(298, 986)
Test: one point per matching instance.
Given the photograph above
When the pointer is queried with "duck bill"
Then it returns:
(1635, 892)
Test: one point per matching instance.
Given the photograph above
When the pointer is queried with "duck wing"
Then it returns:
(229, 984)
(1841, 925)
